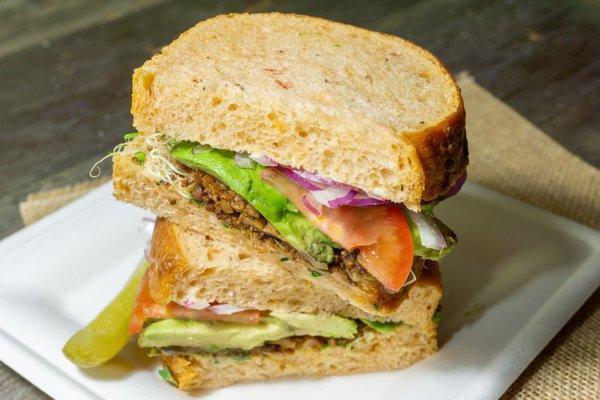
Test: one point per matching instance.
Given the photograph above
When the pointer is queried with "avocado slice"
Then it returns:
(381, 327)
(319, 325)
(211, 336)
(267, 200)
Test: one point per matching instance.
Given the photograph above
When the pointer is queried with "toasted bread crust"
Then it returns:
(444, 154)
(168, 260)
(313, 112)
(371, 351)
(442, 149)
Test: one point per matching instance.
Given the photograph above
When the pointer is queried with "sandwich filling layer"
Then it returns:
(235, 212)
(201, 327)
(179, 337)
(377, 245)
(204, 328)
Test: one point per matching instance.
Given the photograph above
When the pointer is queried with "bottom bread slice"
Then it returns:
(370, 351)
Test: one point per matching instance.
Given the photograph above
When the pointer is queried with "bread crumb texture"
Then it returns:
(311, 94)
(369, 352)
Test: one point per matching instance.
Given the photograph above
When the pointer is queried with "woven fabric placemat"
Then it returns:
(39, 204)
(511, 155)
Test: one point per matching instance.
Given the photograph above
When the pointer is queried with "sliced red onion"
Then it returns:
(310, 203)
(263, 160)
(345, 200)
(362, 200)
(227, 309)
(314, 177)
(329, 193)
(243, 161)
(298, 178)
(333, 196)
(431, 236)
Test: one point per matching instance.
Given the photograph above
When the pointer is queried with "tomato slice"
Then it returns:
(145, 308)
(390, 258)
(381, 233)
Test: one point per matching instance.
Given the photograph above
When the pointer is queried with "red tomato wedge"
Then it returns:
(381, 233)
(145, 308)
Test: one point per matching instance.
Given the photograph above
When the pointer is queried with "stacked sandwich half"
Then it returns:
(294, 164)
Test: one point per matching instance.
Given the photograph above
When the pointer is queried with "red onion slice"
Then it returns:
(314, 177)
(333, 196)
(311, 204)
(299, 179)
(343, 201)
(430, 234)
(362, 200)
(327, 192)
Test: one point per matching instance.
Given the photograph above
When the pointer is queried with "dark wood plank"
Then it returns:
(38, 22)
(67, 101)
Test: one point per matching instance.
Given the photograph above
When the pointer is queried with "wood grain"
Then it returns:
(65, 71)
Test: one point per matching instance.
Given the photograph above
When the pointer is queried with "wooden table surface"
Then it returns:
(65, 70)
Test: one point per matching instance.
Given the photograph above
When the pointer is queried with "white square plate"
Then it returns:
(516, 277)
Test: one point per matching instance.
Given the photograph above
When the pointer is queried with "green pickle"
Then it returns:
(107, 334)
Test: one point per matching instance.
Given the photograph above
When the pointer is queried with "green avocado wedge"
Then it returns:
(381, 327)
(266, 199)
(319, 325)
(107, 334)
(212, 336)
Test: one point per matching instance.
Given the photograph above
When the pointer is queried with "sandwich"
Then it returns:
(294, 165)
(325, 143)
(215, 332)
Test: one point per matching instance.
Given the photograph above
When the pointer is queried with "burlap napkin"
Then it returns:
(39, 204)
(510, 155)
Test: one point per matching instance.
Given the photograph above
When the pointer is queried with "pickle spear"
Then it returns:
(107, 334)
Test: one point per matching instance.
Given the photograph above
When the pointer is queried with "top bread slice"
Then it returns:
(360, 107)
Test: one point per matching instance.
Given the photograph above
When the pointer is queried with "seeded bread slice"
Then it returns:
(371, 351)
(360, 107)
